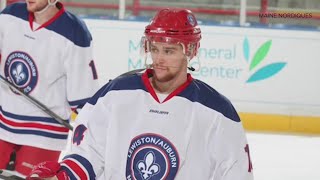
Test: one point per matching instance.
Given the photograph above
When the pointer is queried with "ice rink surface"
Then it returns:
(285, 157)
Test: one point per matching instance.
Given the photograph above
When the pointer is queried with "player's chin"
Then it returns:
(31, 8)
(163, 77)
(160, 71)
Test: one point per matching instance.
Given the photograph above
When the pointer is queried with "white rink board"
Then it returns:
(225, 57)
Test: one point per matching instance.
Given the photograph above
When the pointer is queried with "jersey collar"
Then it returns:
(149, 72)
(60, 12)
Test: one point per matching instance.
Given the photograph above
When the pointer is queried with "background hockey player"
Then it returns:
(45, 51)
(162, 124)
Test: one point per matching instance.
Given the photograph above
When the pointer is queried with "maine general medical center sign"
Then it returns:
(260, 70)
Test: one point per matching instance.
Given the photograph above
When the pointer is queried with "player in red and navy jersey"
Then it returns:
(159, 125)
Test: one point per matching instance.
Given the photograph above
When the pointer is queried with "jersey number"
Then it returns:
(249, 159)
(93, 68)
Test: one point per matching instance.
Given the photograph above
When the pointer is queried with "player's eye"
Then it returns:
(154, 50)
(168, 51)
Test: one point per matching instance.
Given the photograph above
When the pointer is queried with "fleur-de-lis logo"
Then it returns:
(259, 56)
(18, 73)
(148, 167)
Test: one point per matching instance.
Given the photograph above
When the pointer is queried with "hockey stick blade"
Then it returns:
(37, 103)
(8, 176)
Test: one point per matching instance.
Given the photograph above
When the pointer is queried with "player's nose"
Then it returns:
(158, 58)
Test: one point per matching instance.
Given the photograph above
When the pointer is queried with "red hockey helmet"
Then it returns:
(174, 26)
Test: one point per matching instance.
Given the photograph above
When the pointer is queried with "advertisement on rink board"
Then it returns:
(260, 70)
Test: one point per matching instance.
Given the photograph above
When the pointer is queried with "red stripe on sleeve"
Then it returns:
(76, 168)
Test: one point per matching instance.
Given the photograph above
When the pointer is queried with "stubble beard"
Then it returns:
(168, 77)
(36, 8)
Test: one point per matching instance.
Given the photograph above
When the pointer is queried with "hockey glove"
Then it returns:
(48, 170)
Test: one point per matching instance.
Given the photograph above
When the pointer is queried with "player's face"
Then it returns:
(36, 5)
(168, 61)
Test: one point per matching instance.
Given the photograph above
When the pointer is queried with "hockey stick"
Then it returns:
(131, 72)
(44, 107)
(37, 103)
(8, 176)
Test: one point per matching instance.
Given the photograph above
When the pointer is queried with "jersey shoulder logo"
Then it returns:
(152, 157)
(79, 134)
(21, 70)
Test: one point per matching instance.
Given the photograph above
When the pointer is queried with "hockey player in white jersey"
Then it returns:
(159, 125)
(45, 51)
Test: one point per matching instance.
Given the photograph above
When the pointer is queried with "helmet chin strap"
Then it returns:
(48, 5)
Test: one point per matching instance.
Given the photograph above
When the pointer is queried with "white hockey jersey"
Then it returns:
(124, 132)
(52, 63)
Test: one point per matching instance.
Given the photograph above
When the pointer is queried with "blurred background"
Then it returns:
(209, 11)
(279, 103)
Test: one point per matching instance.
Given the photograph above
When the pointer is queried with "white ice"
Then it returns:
(284, 157)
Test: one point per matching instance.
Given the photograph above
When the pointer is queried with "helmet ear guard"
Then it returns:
(191, 50)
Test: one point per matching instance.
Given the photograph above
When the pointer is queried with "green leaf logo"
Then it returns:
(259, 56)
(266, 72)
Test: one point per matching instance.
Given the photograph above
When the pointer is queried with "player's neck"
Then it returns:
(45, 16)
(168, 87)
